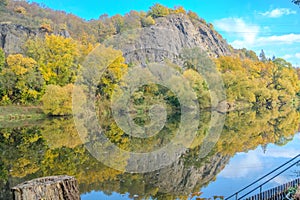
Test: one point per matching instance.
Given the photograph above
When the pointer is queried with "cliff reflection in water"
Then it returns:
(52, 147)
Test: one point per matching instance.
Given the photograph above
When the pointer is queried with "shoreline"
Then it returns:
(20, 113)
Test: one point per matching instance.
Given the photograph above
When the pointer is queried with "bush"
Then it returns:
(147, 21)
(159, 10)
(57, 100)
(20, 10)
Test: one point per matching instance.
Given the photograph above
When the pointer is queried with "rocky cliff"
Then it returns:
(179, 179)
(13, 36)
(167, 38)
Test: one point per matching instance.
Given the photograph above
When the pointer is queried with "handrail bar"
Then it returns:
(270, 179)
(236, 193)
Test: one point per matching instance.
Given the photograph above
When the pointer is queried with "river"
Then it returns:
(251, 144)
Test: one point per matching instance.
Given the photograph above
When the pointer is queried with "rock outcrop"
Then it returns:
(167, 38)
(13, 36)
(180, 179)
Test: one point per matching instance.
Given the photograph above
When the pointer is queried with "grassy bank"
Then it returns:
(18, 113)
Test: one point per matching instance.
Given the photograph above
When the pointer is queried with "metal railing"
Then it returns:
(279, 192)
(236, 194)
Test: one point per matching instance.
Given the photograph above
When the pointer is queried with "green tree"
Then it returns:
(21, 80)
(262, 56)
(178, 9)
(118, 22)
(199, 86)
(57, 100)
(158, 10)
(147, 21)
(106, 68)
(132, 20)
(2, 59)
(106, 29)
(2, 63)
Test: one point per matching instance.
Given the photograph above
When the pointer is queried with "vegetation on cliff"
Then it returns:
(50, 62)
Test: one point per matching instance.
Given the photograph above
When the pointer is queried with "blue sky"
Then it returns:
(246, 167)
(254, 24)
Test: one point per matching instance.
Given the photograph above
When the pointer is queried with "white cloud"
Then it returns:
(285, 153)
(278, 12)
(281, 39)
(268, 41)
(242, 34)
(239, 28)
(242, 167)
(287, 56)
(246, 34)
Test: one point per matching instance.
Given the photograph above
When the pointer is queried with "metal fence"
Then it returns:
(260, 185)
(279, 192)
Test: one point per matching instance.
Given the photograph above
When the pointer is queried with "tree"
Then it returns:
(57, 100)
(21, 80)
(262, 56)
(178, 9)
(118, 22)
(297, 2)
(105, 29)
(147, 21)
(158, 10)
(106, 74)
(57, 58)
(2, 59)
(20, 10)
(199, 86)
(132, 20)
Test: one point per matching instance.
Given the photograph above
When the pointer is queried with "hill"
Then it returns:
(41, 47)
(21, 21)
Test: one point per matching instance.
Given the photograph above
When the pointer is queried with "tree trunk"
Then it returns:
(48, 188)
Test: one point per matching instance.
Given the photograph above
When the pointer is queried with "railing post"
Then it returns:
(260, 192)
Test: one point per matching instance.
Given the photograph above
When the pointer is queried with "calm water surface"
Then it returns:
(252, 143)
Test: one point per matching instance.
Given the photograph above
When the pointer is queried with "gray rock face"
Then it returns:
(13, 37)
(167, 38)
(183, 180)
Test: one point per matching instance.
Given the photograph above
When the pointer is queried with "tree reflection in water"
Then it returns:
(52, 147)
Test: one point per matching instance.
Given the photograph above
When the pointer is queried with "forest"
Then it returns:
(49, 65)
(262, 93)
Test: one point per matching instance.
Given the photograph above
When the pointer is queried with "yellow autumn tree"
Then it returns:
(158, 10)
(199, 86)
(57, 58)
(57, 100)
(178, 9)
(21, 80)
(104, 68)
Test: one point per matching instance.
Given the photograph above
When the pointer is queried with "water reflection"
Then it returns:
(52, 147)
